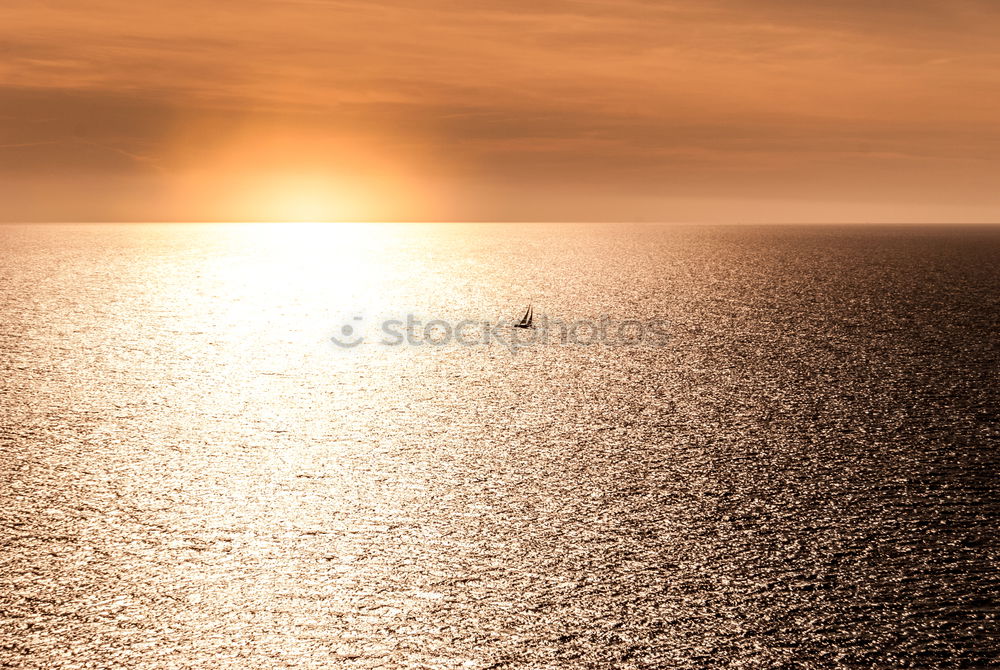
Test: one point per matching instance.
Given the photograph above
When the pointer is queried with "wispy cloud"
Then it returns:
(665, 98)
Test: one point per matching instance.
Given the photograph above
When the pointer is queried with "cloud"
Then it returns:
(846, 100)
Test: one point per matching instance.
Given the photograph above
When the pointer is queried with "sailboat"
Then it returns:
(526, 320)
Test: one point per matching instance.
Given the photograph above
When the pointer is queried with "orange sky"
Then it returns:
(673, 110)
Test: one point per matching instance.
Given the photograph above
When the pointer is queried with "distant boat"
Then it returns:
(526, 320)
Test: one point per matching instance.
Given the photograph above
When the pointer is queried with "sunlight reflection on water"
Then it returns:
(198, 477)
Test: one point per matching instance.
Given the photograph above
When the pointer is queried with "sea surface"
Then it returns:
(787, 458)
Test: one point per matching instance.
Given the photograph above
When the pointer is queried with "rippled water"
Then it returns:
(195, 476)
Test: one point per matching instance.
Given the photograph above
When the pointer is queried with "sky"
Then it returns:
(494, 110)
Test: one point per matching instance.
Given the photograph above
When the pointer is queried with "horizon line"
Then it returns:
(507, 222)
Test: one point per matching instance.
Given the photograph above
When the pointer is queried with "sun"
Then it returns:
(304, 207)
(305, 199)
(268, 176)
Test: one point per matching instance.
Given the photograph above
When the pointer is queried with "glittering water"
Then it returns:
(195, 476)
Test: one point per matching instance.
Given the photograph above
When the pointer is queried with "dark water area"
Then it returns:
(803, 473)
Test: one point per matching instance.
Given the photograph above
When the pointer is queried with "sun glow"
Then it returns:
(303, 199)
(261, 174)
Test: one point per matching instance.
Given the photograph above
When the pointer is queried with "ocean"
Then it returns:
(263, 446)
